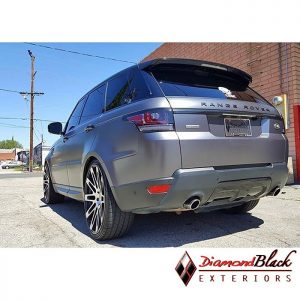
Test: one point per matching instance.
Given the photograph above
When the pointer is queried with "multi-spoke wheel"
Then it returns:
(104, 218)
(94, 198)
(50, 196)
(46, 183)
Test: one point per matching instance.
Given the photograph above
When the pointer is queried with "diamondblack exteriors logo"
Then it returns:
(185, 268)
(272, 267)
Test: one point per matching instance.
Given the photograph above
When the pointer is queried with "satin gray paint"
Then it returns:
(129, 157)
(202, 183)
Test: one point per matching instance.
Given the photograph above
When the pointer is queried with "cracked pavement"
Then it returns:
(25, 221)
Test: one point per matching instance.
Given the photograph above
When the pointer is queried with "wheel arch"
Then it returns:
(87, 161)
(48, 164)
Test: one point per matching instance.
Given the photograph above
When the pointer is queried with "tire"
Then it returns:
(50, 196)
(244, 208)
(104, 218)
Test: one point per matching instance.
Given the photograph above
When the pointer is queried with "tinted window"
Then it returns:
(116, 91)
(172, 89)
(126, 88)
(203, 82)
(94, 105)
(137, 87)
(75, 116)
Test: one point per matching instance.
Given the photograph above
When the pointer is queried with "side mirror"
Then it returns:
(55, 128)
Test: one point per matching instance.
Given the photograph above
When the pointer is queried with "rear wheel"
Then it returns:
(50, 196)
(104, 218)
(242, 209)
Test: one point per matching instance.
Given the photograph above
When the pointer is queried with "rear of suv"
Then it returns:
(167, 135)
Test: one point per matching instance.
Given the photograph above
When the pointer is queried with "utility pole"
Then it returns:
(32, 94)
(31, 111)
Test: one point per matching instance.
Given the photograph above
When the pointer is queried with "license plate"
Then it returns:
(237, 127)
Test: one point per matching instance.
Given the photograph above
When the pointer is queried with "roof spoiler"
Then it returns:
(156, 63)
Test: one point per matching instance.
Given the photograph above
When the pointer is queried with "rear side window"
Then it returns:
(138, 88)
(75, 116)
(204, 82)
(126, 88)
(94, 105)
(116, 91)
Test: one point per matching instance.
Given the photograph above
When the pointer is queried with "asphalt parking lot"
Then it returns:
(25, 221)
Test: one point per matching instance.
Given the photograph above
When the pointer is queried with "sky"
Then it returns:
(63, 77)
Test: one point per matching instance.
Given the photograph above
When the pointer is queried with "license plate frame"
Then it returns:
(237, 127)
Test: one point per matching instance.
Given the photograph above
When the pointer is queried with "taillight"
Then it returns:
(153, 120)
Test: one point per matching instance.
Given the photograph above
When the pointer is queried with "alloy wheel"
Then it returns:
(46, 183)
(94, 198)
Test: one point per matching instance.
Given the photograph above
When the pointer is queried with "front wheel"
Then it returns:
(104, 218)
(243, 208)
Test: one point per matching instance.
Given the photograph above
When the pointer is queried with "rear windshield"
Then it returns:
(204, 82)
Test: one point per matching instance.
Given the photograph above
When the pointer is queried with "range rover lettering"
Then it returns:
(167, 135)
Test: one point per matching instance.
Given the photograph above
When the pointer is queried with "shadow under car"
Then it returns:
(164, 229)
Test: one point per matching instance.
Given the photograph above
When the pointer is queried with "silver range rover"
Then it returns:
(167, 135)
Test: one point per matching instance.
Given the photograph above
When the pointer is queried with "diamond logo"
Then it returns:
(185, 268)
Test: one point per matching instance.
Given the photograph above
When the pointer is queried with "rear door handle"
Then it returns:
(65, 138)
(89, 128)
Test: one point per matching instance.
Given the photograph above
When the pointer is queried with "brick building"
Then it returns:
(7, 154)
(274, 67)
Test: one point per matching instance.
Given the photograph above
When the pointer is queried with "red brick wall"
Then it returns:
(7, 156)
(274, 67)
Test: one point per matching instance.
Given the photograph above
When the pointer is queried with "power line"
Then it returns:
(10, 118)
(11, 91)
(21, 93)
(25, 119)
(84, 54)
(9, 125)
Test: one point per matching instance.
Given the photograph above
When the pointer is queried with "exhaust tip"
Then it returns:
(274, 192)
(192, 203)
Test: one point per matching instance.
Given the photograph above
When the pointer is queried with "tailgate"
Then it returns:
(225, 136)
(219, 119)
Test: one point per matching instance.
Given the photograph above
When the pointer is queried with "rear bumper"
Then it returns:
(214, 187)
